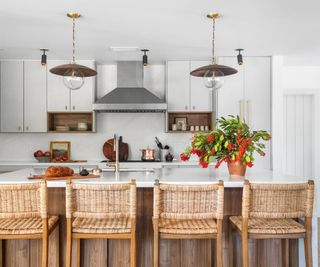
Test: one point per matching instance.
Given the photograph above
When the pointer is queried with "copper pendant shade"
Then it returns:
(73, 68)
(218, 70)
(213, 69)
(64, 70)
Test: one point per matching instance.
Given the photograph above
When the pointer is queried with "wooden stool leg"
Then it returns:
(69, 243)
(133, 251)
(45, 241)
(308, 242)
(285, 252)
(78, 255)
(155, 245)
(1, 253)
(230, 246)
(219, 243)
(244, 240)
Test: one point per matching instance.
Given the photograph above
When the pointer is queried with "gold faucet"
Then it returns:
(115, 149)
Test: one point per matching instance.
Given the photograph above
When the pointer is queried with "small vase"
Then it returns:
(237, 168)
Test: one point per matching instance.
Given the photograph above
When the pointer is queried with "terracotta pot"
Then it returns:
(237, 168)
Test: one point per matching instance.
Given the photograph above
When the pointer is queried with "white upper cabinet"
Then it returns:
(35, 97)
(82, 99)
(178, 87)
(11, 96)
(200, 96)
(230, 97)
(58, 93)
(186, 93)
(61, 99)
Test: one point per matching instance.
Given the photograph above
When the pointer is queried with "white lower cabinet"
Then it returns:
(11, 96)
(35, 97)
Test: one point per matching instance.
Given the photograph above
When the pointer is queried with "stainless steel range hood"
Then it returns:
(130, 95)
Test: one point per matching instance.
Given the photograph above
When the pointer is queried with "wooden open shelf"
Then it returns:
(70, 119)
(193, 119)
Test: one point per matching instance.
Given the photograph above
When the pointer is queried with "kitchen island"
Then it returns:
(172, 252)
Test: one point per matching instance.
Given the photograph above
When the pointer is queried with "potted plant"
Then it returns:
(232, 142)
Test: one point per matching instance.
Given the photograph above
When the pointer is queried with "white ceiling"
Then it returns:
(171, 29)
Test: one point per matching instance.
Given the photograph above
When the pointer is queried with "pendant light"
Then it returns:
(44, 56)
(73, 73)
(213, 74)
(239, 56)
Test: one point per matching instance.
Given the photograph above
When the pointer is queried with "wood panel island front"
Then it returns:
(173, 253)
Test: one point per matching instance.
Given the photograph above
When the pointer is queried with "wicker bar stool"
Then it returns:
(24, 214)
(100, 211)
(272, 211)
(188, 212)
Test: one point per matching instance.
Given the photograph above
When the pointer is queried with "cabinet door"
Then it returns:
(258, 92)
(258, 104)
(178, 88)
(35, 97)
(12, 96)
(200, 96)
(230, 97)
(82, 99)
(58, 94)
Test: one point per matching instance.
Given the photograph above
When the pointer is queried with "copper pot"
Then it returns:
(237, 168)
(148, 154)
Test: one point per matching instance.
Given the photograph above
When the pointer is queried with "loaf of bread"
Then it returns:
(58, 171)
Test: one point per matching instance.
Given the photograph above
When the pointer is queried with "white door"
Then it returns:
(230, 97)
(82, 99)
(200, 96)
(257, 83)
(178, 87)
(12, 96)
(35, 97)
(58, 94)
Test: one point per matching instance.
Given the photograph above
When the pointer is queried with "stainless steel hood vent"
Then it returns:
(130, 95)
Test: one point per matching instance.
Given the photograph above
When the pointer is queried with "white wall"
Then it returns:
(292, 84)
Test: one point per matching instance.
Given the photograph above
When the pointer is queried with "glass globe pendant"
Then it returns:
(73, 73)
(213, 74)
(73, 79)
(213, 80)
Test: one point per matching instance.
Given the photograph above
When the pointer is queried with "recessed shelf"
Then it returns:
(70, 120)
(204, 120)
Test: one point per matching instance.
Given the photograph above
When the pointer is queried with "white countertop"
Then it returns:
(167, 175)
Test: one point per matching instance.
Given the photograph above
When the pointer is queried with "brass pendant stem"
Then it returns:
(73, 42)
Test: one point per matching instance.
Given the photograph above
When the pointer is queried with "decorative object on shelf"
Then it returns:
(44, 56)
(42, 157)
(213, 74)
(169, 157)
(73, 74)
(60, 151)
(232, 142)
(145, 57)
(82, 126)
(62, 128)
(239, 56)
(181, 124)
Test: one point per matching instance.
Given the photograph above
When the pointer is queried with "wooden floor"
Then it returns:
(173, 253)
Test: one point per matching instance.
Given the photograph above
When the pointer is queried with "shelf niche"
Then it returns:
(71, 120)
(192, 118)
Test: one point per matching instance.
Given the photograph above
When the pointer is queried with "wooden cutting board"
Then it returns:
(110, 154)
(75, 176)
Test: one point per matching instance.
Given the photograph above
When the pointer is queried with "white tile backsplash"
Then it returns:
(137, 129)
